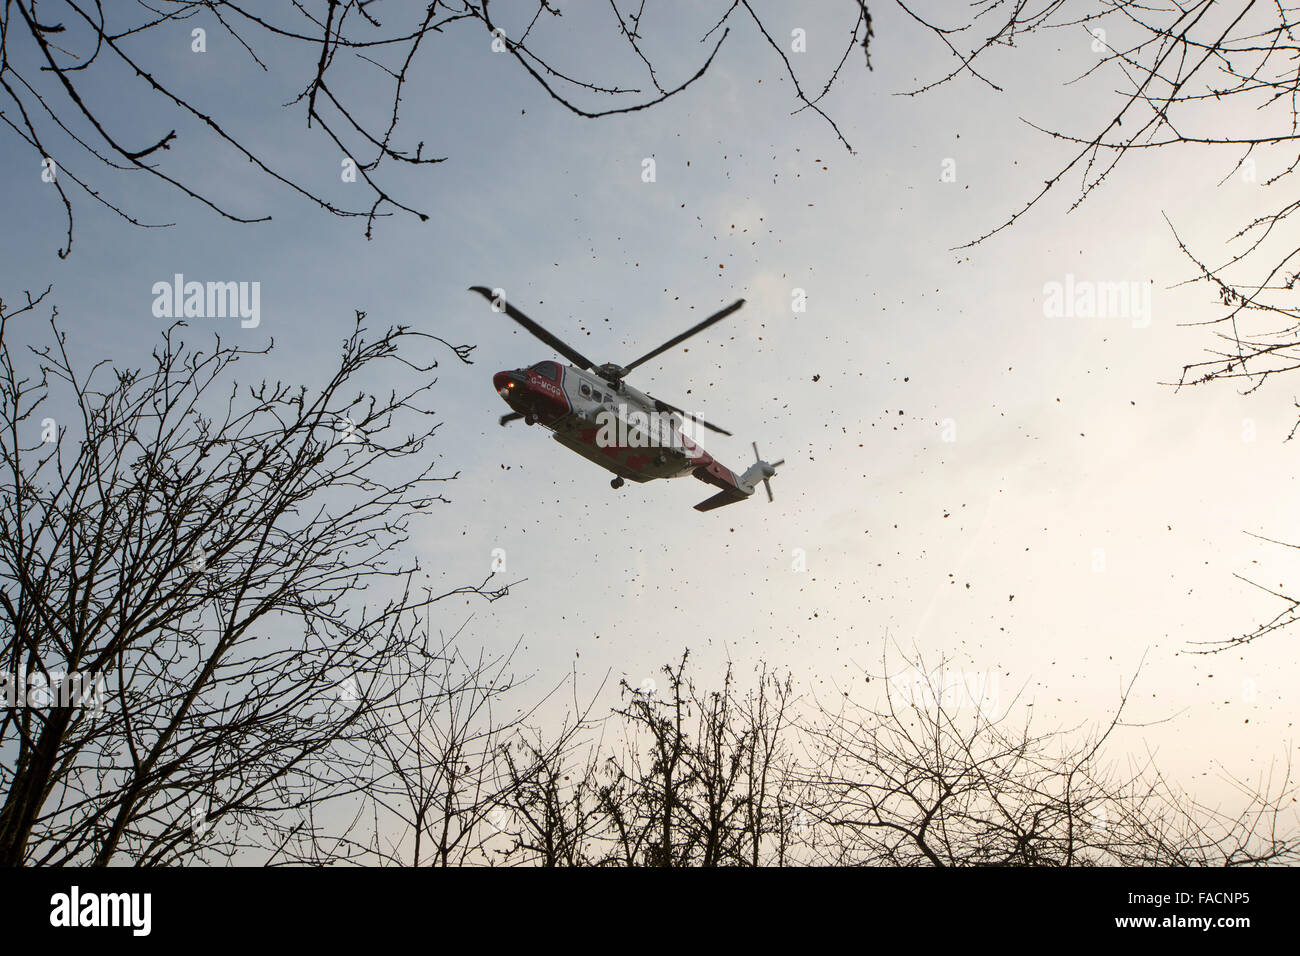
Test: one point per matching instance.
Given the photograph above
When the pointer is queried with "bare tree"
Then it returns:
(774, 799)
(1215, 77)
(553, 809)
(934, 775)
(197, 552)
(697, 779)
(54, 52)
(931, 773)
(454, 756)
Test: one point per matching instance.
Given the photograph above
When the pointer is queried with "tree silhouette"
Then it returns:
(52, 60)
(197, 552)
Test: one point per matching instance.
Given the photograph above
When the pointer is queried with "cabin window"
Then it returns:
(585, 389)
(548, 370)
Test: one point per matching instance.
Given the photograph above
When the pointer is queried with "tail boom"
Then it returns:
(734, 487)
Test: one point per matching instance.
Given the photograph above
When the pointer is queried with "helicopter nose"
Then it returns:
(508, 384)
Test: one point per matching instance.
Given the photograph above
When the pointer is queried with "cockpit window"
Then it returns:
(548, 370)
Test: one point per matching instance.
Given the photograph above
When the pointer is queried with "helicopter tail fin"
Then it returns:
(728, 497)
(736, 488)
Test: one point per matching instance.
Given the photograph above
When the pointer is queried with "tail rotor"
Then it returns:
(766, 471)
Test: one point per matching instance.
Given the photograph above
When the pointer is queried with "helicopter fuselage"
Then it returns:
(592, 410)
(619, 428)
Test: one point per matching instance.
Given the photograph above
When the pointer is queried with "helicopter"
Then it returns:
(591, 410)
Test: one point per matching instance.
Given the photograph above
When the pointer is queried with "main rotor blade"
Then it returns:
(568, 351)
(662, 406)
(678, 339)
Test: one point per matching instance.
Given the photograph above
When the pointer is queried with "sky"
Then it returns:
(966, 476)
